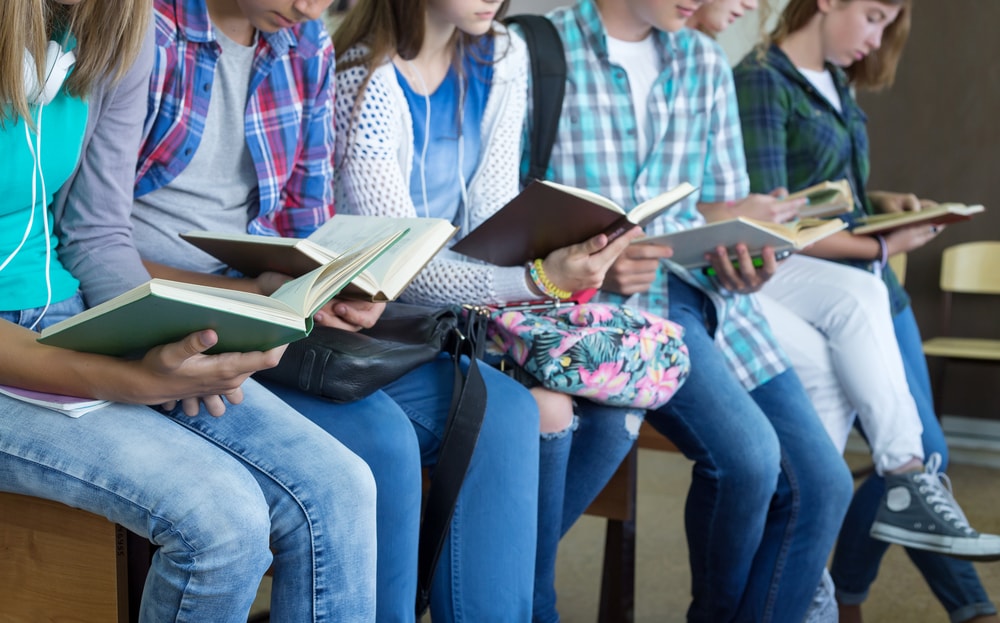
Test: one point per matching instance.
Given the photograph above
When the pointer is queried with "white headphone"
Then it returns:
(57, 66)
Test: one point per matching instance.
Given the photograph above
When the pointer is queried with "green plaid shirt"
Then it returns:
(794, 137)
(695, 138)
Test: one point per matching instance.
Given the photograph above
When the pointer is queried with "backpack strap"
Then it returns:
(548, 86)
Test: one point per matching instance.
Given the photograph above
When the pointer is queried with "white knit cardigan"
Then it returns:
(375, 160)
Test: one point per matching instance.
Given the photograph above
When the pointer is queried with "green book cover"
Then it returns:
(161, 311)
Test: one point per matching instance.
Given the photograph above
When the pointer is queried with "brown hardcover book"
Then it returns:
(691, 245)
(941, 214)
(383, 280)
(547, 216)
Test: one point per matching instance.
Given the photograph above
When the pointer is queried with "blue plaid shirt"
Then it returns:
(695, 138)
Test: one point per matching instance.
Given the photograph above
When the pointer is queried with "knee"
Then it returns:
(225, 524)
(555, 411)
(751, 467)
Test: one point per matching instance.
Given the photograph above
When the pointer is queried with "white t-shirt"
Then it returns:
(823, 81)
(641, 63)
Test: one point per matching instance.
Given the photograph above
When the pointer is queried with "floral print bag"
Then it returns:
(614, 355)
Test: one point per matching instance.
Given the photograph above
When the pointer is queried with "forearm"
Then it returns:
(717, 211)
(26, 363)
(846, 246)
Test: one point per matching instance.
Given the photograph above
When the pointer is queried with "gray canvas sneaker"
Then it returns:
(919, 511)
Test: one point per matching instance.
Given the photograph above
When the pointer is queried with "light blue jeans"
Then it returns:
(857, 556)
(486, 568)
(769, 489)
(216, 494)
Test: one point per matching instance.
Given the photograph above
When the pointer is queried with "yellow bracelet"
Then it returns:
(545, 284)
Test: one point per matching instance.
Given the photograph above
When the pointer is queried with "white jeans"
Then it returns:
(835, 324)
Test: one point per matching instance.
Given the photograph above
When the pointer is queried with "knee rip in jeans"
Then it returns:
(562, 433)
(633, 420)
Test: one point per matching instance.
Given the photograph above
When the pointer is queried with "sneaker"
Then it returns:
(919, 511)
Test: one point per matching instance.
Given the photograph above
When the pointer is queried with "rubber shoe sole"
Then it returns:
(985, 548)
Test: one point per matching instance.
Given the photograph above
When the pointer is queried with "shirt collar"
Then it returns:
(195, 25)
(589, 20)
(777, 58)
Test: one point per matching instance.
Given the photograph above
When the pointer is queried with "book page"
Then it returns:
(73, 406)
(587, 195)
(647, 210)
(311, 291)
(400, 262)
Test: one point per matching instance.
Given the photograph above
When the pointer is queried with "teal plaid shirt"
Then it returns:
(695, 138)
(795, 138)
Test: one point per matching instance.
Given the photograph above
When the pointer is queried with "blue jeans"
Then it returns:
(574, 466)
(857, 556)
(486, 569)
(216, 494)
(768, 491)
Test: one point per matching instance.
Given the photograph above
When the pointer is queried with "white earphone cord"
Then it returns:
(461, 147)
(36, 174)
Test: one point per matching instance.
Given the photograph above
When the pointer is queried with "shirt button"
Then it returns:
(206, 87)
(187, 151)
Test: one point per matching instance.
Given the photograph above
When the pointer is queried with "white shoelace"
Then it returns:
(936, 487)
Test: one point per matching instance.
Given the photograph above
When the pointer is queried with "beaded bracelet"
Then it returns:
(544, 284)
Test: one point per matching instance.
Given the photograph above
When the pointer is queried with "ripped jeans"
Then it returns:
(574, 465)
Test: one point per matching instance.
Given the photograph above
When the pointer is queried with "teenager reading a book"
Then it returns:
(649, 104)
(215, 493)
(818, 52)
(239, 136)
(429, 120)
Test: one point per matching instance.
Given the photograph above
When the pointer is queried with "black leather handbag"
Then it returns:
(345, 366)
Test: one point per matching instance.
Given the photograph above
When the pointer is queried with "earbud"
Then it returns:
(57, 66)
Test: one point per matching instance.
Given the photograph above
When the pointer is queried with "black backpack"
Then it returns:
(548, 86)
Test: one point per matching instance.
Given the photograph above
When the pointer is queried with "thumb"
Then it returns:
(780, 192)
(176, 353)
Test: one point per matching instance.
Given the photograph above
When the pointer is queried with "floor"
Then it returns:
(898, 595)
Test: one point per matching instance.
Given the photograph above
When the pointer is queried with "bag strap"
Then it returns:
(548, 87)
(461, 432)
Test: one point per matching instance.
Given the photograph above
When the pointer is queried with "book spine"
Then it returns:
(618, 229)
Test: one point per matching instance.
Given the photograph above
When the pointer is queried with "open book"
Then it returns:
(825, 199)
(547, 216)
(940, 214)
(383, 280)
(161, 311)
(73, 406)
(691, 245)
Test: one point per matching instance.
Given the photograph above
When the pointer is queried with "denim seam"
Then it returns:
(239, 451)
(793, 517)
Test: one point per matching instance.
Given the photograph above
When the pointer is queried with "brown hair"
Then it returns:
(389, 27)
(875, 71)
(108, 36)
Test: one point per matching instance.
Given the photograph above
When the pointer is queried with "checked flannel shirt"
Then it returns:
(289, 114)
(794, 137)
(695, 138)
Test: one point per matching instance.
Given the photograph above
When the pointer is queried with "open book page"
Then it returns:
(649, 209)
(587, 195)
(73, 406)
(825, 199)
(939, 214)
(311, 291)
(386, 277)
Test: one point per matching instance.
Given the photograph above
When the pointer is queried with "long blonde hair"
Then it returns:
(875, 71)
(108, 36)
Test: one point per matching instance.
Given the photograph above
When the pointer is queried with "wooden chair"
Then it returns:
(969, 268)
(59, 563)
(617, 502)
